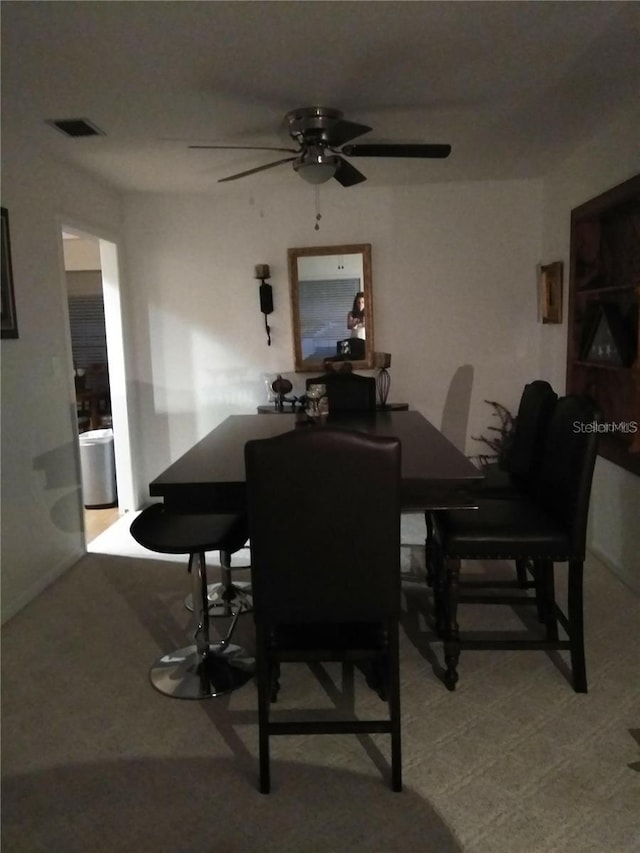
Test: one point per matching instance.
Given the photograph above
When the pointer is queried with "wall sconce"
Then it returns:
(266, 296)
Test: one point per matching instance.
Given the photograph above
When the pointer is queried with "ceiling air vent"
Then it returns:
(75, 127)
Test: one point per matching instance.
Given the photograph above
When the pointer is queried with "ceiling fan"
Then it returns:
(321, 134)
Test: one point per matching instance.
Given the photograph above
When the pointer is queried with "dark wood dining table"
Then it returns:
(210, 477)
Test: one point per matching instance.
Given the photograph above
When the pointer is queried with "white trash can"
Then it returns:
(97, 460)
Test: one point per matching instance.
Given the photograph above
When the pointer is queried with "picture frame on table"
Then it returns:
(9, 320)
(551, 292)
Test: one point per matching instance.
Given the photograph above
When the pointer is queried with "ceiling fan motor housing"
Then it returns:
(316, 155)
(313, 124)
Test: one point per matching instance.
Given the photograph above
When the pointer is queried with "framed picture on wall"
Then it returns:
(9, 321)
(551, 292)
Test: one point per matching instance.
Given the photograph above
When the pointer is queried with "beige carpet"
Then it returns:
(94, 759)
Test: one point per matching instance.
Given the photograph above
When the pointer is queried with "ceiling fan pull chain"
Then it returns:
(316, 227)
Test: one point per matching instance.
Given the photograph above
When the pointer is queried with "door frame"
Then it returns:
(116, 358)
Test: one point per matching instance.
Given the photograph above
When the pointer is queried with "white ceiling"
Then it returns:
(512, 86)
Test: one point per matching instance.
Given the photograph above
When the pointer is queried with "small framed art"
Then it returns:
(551, 292)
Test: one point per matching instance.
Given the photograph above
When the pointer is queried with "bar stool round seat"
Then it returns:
(203, 669)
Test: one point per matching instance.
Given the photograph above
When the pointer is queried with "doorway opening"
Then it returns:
(102, 423)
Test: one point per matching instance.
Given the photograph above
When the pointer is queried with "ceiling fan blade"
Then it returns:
(348, 175)
(257, 169)
(338, 132)
(396, 149)
(245, 148)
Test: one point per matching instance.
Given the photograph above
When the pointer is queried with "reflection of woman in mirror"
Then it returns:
(355, 317)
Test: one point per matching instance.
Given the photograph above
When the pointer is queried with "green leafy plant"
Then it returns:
(499, 444)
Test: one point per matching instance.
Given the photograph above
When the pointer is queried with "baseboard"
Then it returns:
(619, 571)
(9, 610)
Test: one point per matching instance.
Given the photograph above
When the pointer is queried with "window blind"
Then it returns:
(324, 305)
(88, 332)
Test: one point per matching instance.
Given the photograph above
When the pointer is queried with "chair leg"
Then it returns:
(428, 547)
(205, 669)
(548, 590)
(521, 573)
(225, 593)
(438, 582)
(576, 626)
(377, 676)
(451, 633)
(394, 709)
(537, 573)
(201, 619)
(231, 592)
(264, 697)
(274, 681)
(227, 639)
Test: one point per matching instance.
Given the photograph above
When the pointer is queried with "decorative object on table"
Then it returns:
(281, 387)
(551, 292)
(266, 296)
(9, 321)
(382, 360)
(317, 402)
(337, 365)
(501, 444)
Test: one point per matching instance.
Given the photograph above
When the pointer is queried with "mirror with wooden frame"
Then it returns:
(332, 305)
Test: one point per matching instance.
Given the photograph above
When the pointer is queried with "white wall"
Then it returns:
(454, 283)
(81, 254)
(608, 159)
(41, 511)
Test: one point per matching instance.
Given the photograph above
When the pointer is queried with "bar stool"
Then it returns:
(226, 594)
(204, 669)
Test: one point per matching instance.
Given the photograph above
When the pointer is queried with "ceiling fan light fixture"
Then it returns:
(316, 173)
(315, 166)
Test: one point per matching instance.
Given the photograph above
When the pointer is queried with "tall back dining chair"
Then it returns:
(520, 471)
(347, 392)
(324, 521)
(522, 464)
(545, 527)
(536, 406)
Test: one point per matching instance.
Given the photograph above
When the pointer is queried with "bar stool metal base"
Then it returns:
(218, 606)
(188, 674)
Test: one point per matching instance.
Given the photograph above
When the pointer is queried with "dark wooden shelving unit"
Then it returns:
(597, 366)
(603, 352)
